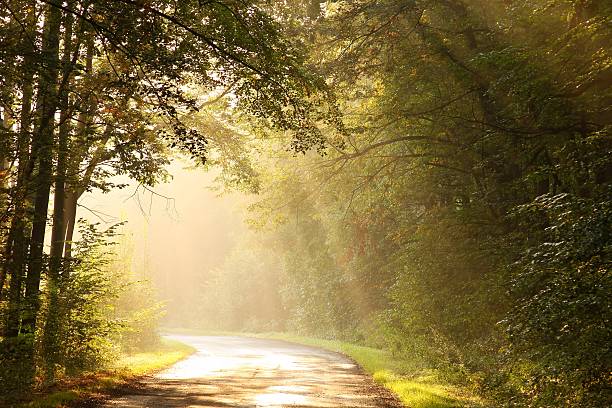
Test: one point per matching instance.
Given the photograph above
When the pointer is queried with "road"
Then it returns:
(246, 372)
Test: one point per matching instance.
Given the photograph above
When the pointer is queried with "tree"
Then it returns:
(471, 136)
(117, 74)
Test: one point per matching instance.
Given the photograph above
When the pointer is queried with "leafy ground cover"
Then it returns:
(128, 368)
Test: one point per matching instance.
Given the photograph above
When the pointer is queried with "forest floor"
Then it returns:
(127, 369)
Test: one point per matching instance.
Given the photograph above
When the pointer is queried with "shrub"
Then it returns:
(16, 368)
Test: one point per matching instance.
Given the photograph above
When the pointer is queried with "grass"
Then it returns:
(127, 368)
(148, 362)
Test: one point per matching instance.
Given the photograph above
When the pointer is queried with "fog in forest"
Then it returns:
(177, 232)
(424, 184)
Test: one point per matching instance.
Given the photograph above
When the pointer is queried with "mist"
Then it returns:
(178, 232)
(422, 185)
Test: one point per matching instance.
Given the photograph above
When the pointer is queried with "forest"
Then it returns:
(431, 178)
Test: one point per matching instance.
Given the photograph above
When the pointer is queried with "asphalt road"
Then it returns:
(246, 372)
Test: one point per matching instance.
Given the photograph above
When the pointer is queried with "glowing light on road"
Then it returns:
(279, 399)
(235, 371)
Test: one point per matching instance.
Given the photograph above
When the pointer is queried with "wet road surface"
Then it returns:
(246, 372)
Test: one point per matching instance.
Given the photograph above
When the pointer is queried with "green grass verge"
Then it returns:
(125, 369)
(147, 362)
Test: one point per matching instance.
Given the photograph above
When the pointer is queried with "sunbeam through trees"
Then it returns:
(429, 180)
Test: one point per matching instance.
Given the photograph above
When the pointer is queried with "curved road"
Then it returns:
(246, 372)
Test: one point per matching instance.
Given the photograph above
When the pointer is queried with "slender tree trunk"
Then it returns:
(43, 148)
(5, 165)
(72, 194)
(57, 233)
(5, 203)
(70, 220)
(15, 250)
(53, 323)
(8, 248)
(15, 283)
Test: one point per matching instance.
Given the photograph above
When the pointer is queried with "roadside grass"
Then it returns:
(415, 388)
(148, 362)
(127, 368)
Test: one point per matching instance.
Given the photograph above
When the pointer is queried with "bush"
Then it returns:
(98, 310)
(561, 321)
(16, 368)
(139, 311)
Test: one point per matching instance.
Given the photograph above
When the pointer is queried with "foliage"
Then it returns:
(16, 370)
(241, 294)
(562, 284)
(84, 325)
(136, 305)
(458, 201)
(461, 213)
(94, 323)
(124, 369)
(95, 89)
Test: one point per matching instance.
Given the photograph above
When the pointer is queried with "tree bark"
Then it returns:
(14, 299)
(69, 221)
(43, 148)
(59, 198)
(53, 323)
(74, 192)
(5, 204)
(15, 250)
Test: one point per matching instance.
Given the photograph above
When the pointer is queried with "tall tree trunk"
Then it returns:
(15, 283)
(8, 248)
(73, 193)
(15, 250)
(52, 328)
(16, 266)
(43, 149)
(57, 233)
(5, 203)
(69, 221)
(5, 164)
